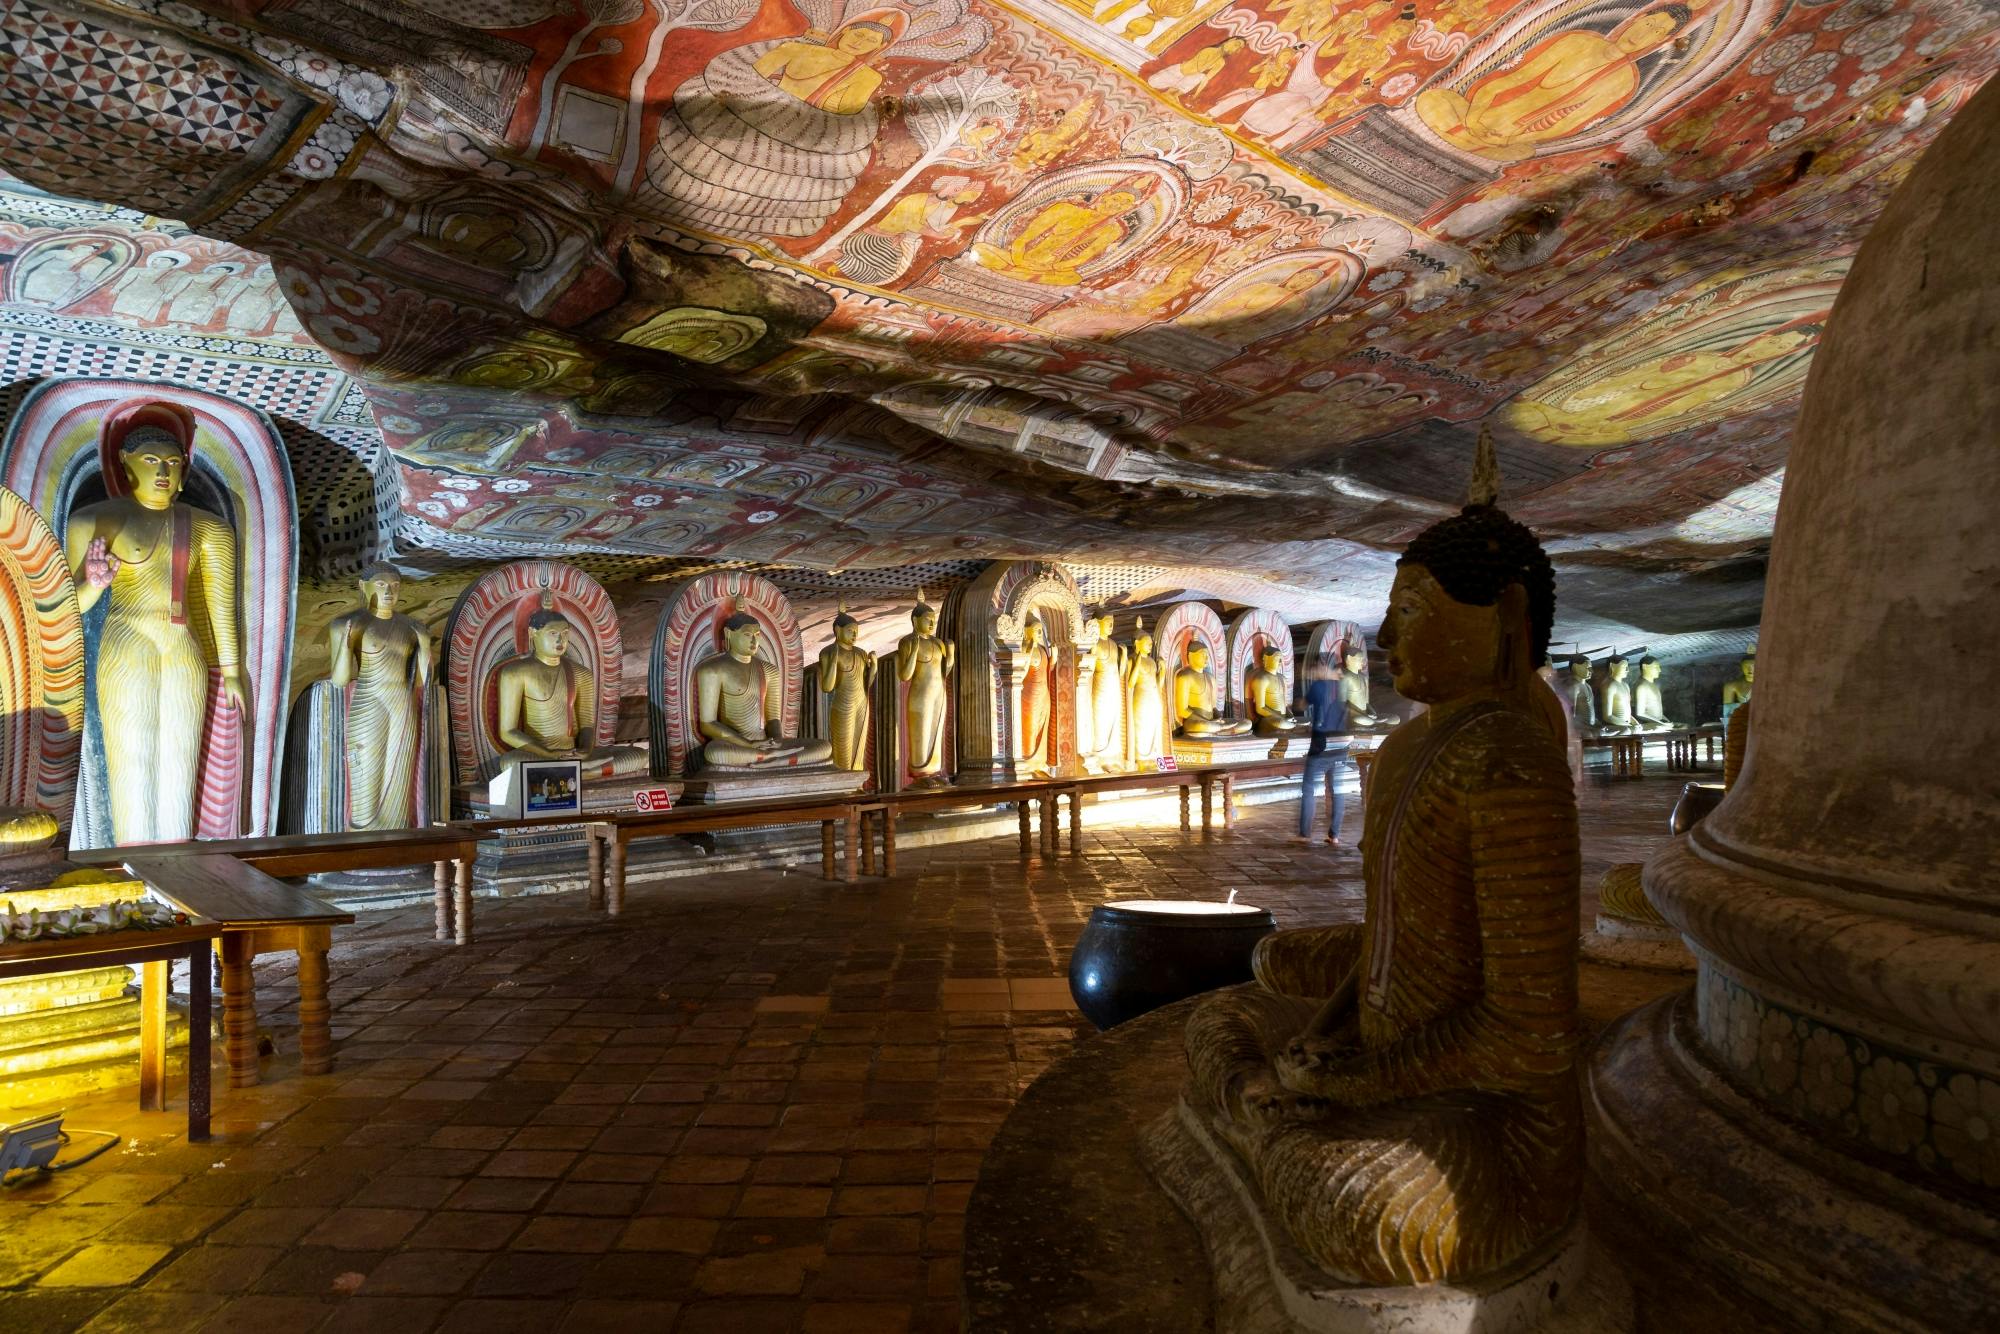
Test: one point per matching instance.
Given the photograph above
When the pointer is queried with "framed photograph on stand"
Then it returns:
(551, 787)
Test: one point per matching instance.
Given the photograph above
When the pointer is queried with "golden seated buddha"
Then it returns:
(1402, 1091)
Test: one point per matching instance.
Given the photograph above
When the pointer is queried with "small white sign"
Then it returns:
(654, 799)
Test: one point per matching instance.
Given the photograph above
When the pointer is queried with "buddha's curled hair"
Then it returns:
(1477, 552)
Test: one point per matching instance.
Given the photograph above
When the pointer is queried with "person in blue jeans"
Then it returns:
(1327, 713)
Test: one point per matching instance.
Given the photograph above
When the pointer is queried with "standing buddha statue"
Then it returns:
(1107, 696)
(154, 559)
(846, 674)
(1403, 1091)
(386, 658)
(923, 661)
(1146, 700)
(1037, 678)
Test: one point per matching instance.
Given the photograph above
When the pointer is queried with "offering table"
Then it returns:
(154, 951)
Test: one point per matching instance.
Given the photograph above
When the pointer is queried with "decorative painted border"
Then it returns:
(1944, 1119)
(1248, 633)
(690, 630)
(489, 624)
(50, 451)
(41, 665)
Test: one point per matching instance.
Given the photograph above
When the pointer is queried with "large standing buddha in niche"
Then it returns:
(167, 572)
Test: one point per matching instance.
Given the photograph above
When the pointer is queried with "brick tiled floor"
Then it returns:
(755, 1102)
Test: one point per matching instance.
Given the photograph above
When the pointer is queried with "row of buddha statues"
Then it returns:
(1616, 706)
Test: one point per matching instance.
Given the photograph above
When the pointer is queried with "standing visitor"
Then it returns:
(1327, 713)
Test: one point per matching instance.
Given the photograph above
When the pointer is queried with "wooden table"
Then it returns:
(154, 952)
(880, 811)
(1628, 756)
(255, 914)
(610, 834)
(1224, 776)
(449, 847)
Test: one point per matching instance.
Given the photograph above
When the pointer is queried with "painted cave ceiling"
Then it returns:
(1218, 283)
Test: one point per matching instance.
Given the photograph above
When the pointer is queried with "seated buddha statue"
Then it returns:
(1647, 709)
(548, 705)
(1264, 694)
(739, 703)
(1736, 693)
(1354, 689)
(1403, 1091)
(1195, 711)
(1618, 719)
(1582, 699)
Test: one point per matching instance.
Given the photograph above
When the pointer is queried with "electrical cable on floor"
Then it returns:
(36, 1173)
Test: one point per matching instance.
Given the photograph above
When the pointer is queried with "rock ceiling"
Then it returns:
(1225, 283)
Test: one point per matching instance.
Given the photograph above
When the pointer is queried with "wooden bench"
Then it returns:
(1225, 776)
(257, 914)
(609, 835)
(1186, 780)
(445, 846)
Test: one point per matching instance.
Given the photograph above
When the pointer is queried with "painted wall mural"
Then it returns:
(852, 285)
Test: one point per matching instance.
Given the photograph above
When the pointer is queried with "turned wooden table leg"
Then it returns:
(153, 982)
(441, 889)
(614, 888)
(464, 899)
(1051, 831)
(1207, 805)
(867, 843)
(239, 1008)
(198, 1041)
(1021, 808)
(315, 1013)
(596, 869)
(1187, 825)
(1229, 801)
(853, 837)
(1075, 822)
(826, 851)
(888, 841)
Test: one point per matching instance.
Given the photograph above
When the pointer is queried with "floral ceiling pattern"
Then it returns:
(871, 283)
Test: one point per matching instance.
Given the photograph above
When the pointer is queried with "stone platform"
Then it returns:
(719, 785)
(1229, 749)
(1067, 1231)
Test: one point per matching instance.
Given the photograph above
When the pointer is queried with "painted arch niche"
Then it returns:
(51, 455)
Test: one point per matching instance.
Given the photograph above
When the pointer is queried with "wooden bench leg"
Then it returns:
(888, 841)
(867, 843)
(614, 888)
(1229, 801)
(1207, 805)
(596, 870)
(315, 1013)
(239, 1008)
(1075, 822)
(1187, 825)
(441, 888)
(1022, 808)
(464, 897)
(826, 851)
(153, 1034)
(1051, 831)
(853, 837)
(198, 1041)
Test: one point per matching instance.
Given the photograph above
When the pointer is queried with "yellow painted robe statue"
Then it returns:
(846, 675)
(548, 706)
(739, 709)
(923, 661)
(169, 573)
(386, 657)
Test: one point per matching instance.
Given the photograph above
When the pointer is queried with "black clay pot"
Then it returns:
(1697, 800)
(1140, 954)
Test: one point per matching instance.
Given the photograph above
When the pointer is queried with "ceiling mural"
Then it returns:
(1224, 283)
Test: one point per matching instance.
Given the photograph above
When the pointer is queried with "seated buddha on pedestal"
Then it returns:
(1402, 1091)
(738, 704)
